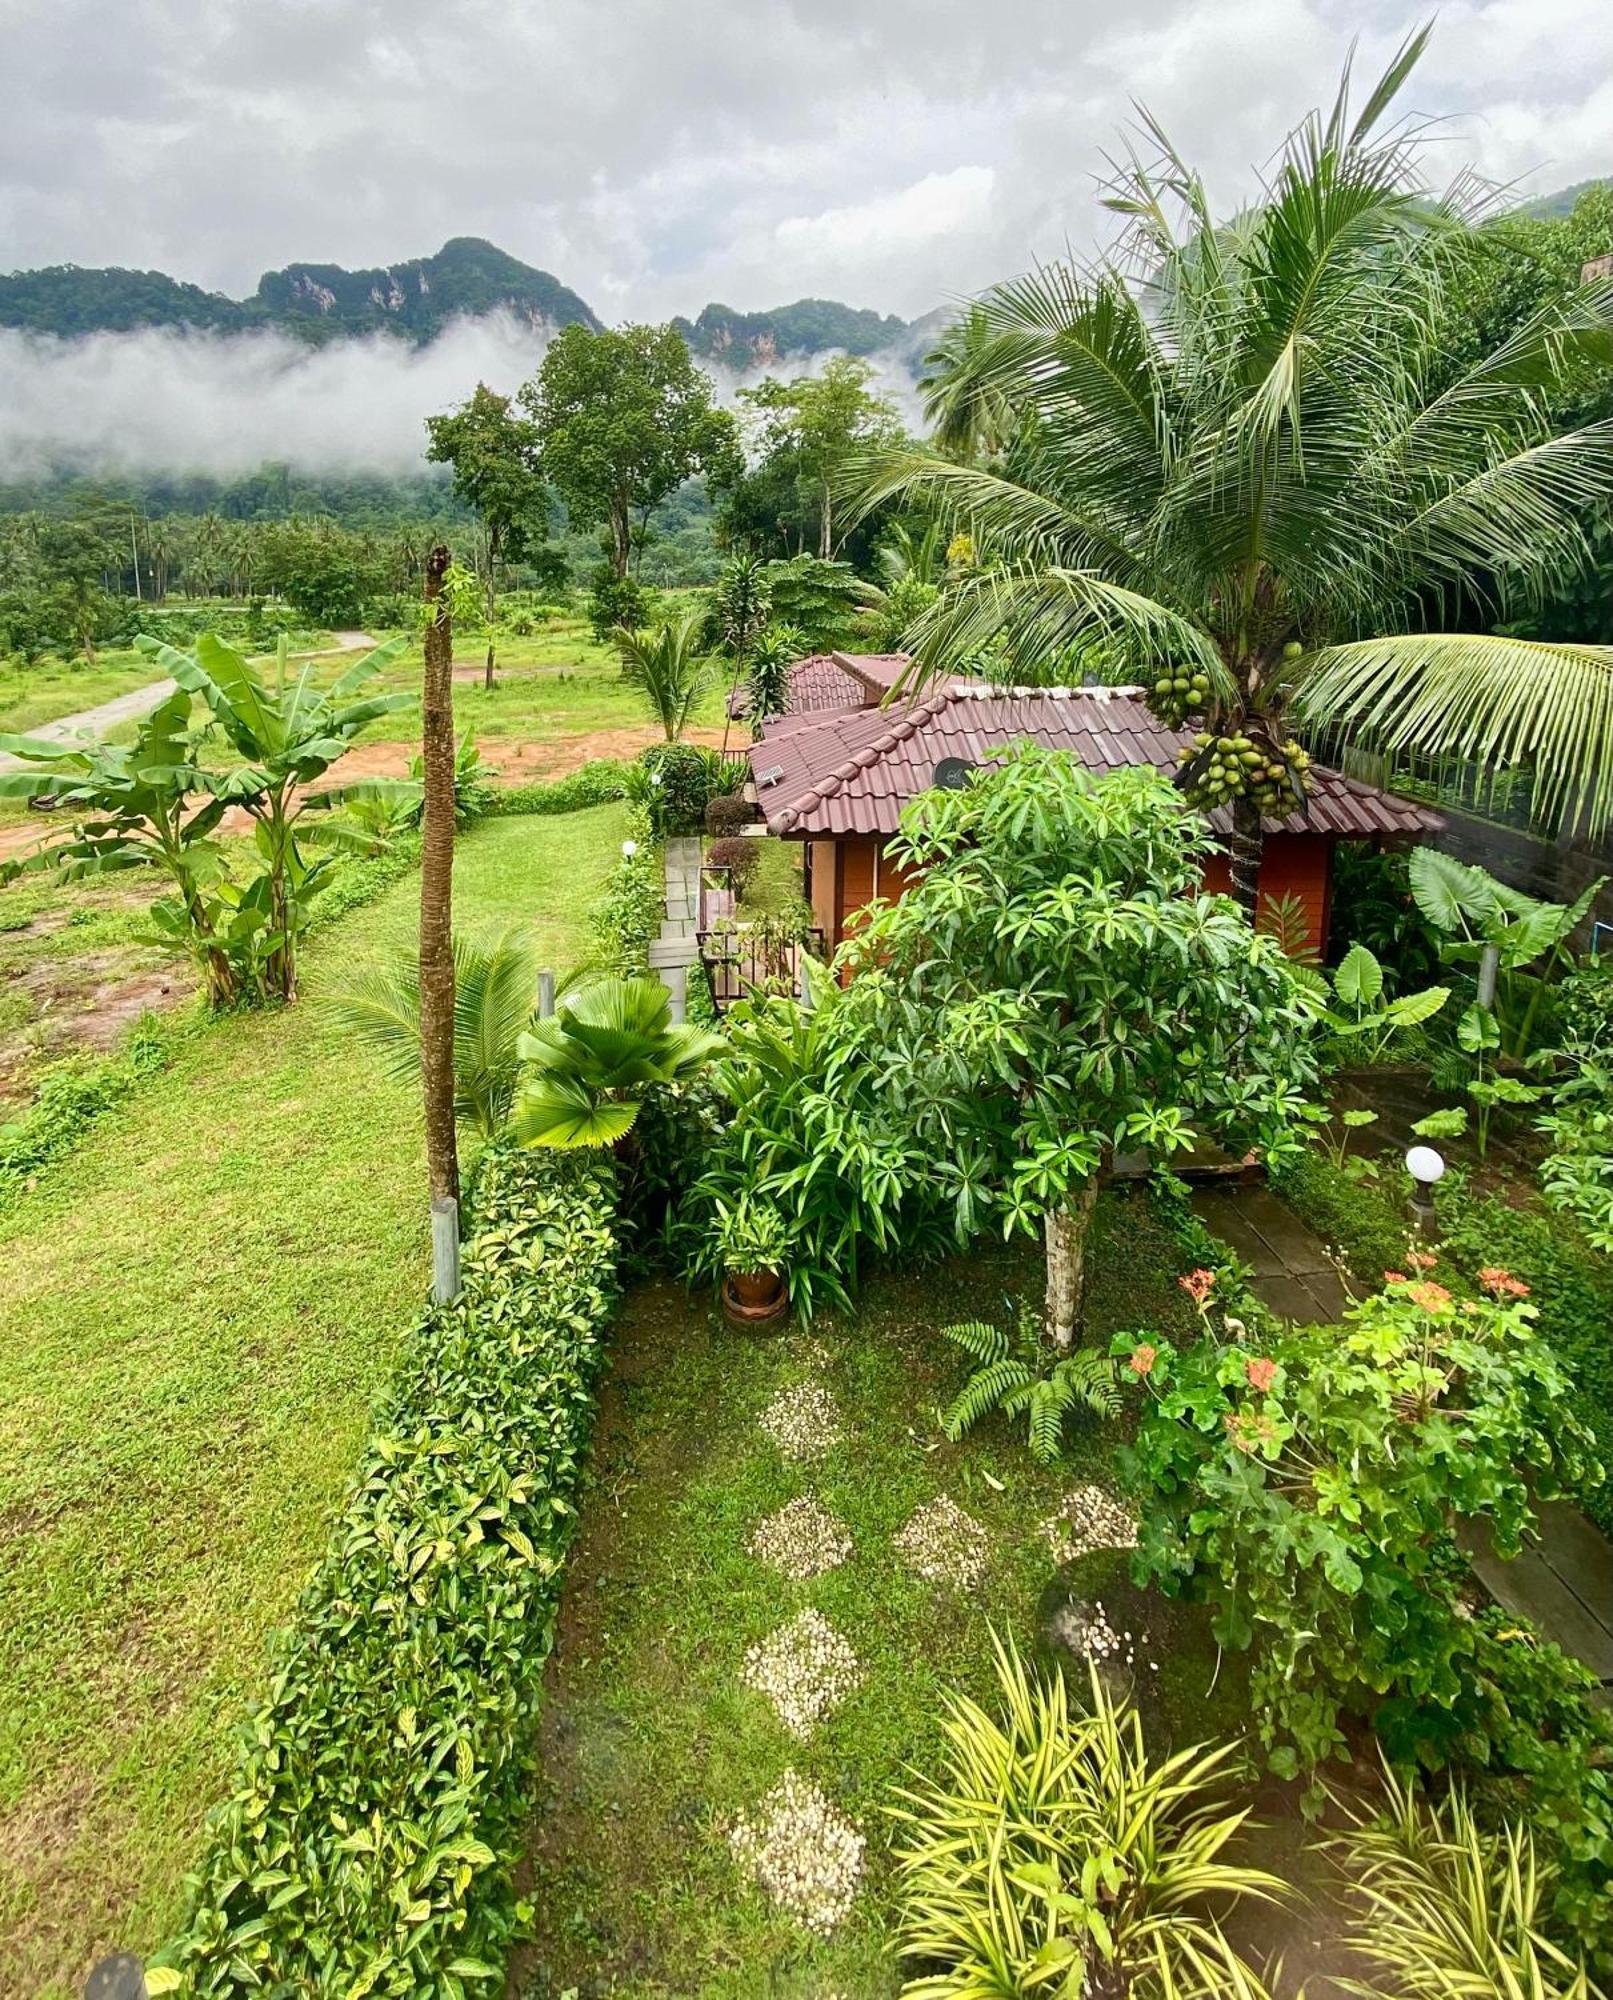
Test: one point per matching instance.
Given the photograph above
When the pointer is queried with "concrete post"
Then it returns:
(545, 995)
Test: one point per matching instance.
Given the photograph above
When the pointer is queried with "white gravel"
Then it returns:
(806, 1669)
(806, 1857)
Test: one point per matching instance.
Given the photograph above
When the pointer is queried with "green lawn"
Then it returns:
(652, 1745)
(199, 1306)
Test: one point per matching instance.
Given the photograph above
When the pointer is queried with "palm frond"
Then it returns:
(1485, 696)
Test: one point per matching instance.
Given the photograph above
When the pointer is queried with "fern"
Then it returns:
(986, 1390)
(978, 1339)
(1021, 1376)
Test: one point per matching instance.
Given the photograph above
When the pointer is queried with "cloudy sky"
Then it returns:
(655, 154)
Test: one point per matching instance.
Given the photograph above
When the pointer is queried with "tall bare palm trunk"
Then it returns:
(1244, 852)
(436, 933)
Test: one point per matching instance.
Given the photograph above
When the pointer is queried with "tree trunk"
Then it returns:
(826, 525)
(1248, 842)
(621, 538)
(1066, 1234)
(437, 933)
(491, 602)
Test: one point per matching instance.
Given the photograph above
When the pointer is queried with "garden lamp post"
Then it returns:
(1425, 1167)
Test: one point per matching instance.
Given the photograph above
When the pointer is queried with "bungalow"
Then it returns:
(837, 777)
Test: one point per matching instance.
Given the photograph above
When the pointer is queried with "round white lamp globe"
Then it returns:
(1424, 1165)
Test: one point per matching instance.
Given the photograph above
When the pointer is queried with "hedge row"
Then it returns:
(595, 784)
(369, 1842)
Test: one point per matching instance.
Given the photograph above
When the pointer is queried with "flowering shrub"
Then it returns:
(1310, 1488)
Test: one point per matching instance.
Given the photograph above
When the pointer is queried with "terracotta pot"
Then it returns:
(750, 1298)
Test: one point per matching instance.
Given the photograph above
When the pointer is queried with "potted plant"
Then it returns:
(754, 1240)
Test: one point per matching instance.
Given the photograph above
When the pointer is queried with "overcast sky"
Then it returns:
(655, 154)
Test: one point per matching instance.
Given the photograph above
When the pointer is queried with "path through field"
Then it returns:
(199, 1307)
(107, 715)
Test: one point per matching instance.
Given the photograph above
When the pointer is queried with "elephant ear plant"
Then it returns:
(589, 1067)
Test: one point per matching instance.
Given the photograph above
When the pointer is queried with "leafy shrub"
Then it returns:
(1571, 1289)
(1311, 1491)
(627, 915)
(807, 1132)
(1524, 1729)
(680, 780)
(1373, 905)
(726, 813)
(741, 858)
(615, 600)
(368, 1843)
(596, 784)
(1055, 1855)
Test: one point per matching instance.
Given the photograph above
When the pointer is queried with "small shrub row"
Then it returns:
(595, 784)
(368, 1844)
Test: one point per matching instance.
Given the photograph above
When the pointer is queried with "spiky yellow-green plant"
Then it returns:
(1055, 1856)
(1443, 1910)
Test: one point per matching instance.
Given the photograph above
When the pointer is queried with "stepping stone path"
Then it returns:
(807, 1857)
(803, 1422)
(1088, 1519)
(803, 1539)
(806, 1669)
(943, 1544)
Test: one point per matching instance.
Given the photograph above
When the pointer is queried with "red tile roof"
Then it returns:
(852, 772)
(826, 682)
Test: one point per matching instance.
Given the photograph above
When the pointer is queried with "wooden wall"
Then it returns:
(850, 872)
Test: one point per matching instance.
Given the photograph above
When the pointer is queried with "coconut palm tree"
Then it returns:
(1241, 458)
(666, 665)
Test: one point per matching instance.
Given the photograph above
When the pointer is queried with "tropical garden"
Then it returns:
(519, 1477)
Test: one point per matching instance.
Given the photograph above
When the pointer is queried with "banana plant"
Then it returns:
(132, 807)
(590, 1065)
(288, 734)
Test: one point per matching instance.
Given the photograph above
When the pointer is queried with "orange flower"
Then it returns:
(1432, 1298)
(1260, 1373)
(1246, 1432)
(1394, 1277)
(1141, 1360)
(1502, 1283)
(1198, 1285)
(1421, 1260)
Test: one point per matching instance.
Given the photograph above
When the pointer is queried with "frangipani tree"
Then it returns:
(1050, 992)
(1238, 457)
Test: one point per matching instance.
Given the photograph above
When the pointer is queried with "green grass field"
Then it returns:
(199, 1306)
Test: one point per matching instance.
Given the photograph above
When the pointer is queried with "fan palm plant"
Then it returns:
(589, 1065)
(495, 1002)
(665, 664)
(1238, 455)
(1056, 1856)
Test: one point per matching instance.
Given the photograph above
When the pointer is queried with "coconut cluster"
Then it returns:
(943, 1544)
(1088, 1519)
(1273, 774)
(805, 1669)
(803, 1421)
(1178, 693)
(807, 1858)
(802, 1539)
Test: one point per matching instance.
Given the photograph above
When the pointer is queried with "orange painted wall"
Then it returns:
(1297, 865)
